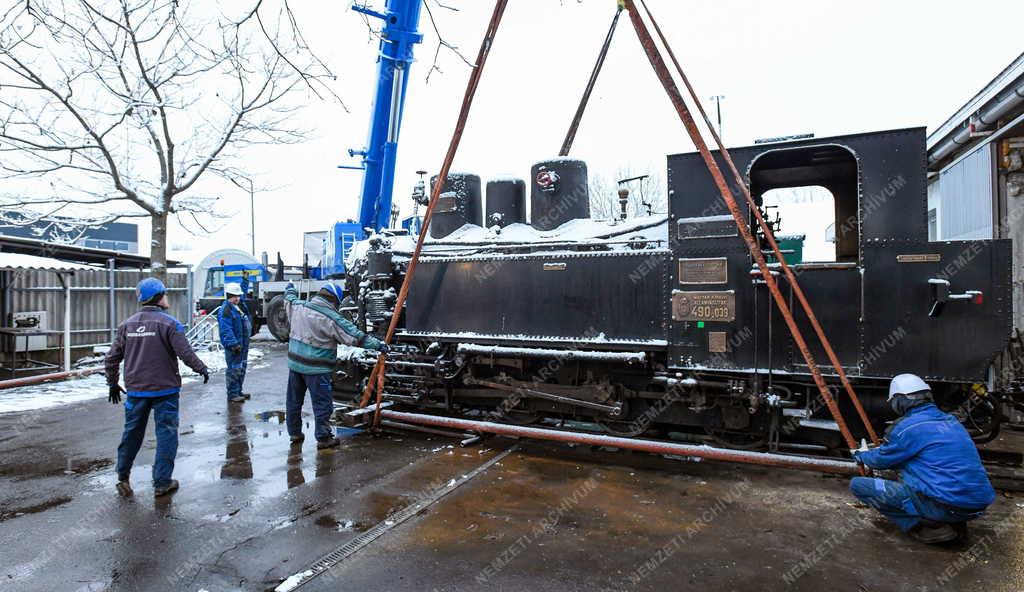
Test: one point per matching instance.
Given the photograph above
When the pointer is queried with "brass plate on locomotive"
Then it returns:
(704, 306)
(704, 271)
(919, 258)
(717, 342)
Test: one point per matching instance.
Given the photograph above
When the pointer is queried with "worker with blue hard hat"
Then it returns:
(235, 327)
(150, 342)
(942, 482)
(316, 330)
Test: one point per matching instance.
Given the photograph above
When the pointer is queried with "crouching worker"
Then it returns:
(150, 343)
(235, 328)
(942, 482)
(316, 330)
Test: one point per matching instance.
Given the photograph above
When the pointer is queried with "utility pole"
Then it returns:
(252, 210)
(718, 109)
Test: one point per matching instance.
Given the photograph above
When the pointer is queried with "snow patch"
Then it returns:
(94, 386)
(293, 581)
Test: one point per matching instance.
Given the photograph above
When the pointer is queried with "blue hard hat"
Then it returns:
(333, 291)
(150, 289)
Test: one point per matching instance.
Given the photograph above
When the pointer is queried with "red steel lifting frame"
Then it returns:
(658, 63)
(767, 233)
(376, 381)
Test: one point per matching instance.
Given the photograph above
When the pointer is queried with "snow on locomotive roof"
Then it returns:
(472, 237)
(573, 230)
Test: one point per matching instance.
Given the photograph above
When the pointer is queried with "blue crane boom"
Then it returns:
(399, 35)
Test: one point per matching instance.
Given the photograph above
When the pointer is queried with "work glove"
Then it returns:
(384, 348)
(206, 376)
(863, 448)
(115, 394)
(236, 349)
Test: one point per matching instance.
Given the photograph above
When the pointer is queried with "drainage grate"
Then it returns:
(335, 557)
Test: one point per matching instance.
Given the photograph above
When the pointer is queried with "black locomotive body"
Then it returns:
(662, 325)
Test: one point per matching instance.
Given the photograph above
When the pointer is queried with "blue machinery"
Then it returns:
(399, 36)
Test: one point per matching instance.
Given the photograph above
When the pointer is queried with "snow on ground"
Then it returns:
(55, 394)
(293, 581)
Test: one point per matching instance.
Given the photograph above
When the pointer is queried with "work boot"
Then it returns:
(236, 399)
(932, 533)
(961, 531)
(169, 488)
(331, 442)
(297, 438)
(124, 488)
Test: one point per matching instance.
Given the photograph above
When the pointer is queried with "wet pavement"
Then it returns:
(254, 510)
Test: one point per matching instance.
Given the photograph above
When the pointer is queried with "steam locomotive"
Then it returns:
(662, 326)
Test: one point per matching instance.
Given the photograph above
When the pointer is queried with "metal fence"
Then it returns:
(97, 299)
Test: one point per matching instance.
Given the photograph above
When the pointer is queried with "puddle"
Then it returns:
(382, 505)
(42, 468)
(53, 503)
(329, 521)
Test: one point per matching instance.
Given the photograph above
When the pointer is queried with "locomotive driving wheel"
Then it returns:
(982, 418)
(518, 416)
(618, 424)
(736, 440)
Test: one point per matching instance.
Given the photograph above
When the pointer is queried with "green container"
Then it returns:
(792, 247)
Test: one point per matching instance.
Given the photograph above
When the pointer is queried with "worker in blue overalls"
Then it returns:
(235, 329)
(942, 481)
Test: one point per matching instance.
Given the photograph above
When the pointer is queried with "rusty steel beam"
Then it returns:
(377, 375)
(766, 229)
(41, 378)
(570, 136)
(676, 97)
(769, 459)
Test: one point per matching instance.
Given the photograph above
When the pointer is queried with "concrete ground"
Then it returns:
(252, 511)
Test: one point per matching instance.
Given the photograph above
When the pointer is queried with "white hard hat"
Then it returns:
(233, 289)
(907, 384)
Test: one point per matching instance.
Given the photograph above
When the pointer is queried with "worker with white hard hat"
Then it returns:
(235, 329)
(942, 482)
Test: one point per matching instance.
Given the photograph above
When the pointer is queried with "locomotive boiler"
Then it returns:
(662, 325)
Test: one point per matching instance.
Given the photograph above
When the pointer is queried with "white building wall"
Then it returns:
(963, 196)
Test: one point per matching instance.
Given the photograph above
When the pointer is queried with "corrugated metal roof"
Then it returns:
(20, 261)
(992, 90)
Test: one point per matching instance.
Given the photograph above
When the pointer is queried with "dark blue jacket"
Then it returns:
(150, 342)
(234, 324)
(935, 456)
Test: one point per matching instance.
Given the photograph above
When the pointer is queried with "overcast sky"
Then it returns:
(789, 66)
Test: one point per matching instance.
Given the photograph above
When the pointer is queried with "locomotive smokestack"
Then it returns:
(558, 193)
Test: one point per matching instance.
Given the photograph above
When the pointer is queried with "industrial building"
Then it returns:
(976, 171)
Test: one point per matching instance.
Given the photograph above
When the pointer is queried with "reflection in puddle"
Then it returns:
(266, 416)
(237, 460)
(294, 472)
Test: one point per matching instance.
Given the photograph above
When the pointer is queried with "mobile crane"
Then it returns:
(399, 36)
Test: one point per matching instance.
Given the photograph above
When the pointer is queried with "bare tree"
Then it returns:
(128, 106)
(646, 196)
